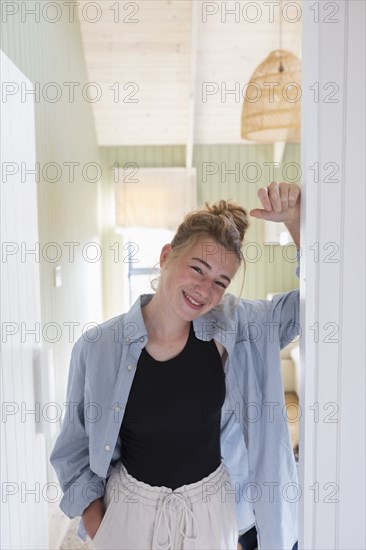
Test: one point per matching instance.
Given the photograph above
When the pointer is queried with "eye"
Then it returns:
(198, 269)
(219, 283)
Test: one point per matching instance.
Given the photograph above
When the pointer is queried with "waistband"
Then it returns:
(138, 491)
(170, 504)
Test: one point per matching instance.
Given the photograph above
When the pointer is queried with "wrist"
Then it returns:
(293, 224)
(94, 508)
(294, 230)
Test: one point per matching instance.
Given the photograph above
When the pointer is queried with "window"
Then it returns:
(143, 245)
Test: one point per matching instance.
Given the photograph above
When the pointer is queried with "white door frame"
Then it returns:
(332, 426)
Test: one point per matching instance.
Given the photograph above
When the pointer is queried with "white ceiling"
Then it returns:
(161, 56)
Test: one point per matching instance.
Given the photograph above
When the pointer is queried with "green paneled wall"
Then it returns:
(146, 157)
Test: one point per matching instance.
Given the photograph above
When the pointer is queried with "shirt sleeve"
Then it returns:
(70, 456)
(298, 256)
(285, 312)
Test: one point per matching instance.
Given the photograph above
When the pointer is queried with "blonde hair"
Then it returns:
(226, 222)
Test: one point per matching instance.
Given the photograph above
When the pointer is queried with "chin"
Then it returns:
(189, 316)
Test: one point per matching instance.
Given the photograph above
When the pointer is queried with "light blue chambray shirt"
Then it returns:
(255, 441)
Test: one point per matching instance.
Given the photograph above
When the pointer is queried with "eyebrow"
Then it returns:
(210, 268)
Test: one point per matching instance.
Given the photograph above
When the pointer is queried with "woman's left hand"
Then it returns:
(281, 203)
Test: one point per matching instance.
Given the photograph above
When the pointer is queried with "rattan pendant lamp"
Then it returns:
(271, 110)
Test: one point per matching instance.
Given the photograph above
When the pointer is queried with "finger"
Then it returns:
(293, 196)
(284, 192)
(274, 197)
(259, 213)
(263, 196)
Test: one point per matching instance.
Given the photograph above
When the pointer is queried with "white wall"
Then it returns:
(47, 52)
(24, 519)
(332, 432)
(68, 212)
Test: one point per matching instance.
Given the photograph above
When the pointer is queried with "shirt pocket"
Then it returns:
(107, 518)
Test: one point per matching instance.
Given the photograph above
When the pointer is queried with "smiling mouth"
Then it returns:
(193, 303)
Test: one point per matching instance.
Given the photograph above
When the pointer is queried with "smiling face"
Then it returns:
(193, 282)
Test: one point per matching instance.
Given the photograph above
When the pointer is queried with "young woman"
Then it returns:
(174, 435)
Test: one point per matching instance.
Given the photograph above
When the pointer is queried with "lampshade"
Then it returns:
(272, 107)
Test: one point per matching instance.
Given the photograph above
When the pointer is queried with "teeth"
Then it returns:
(191, 300)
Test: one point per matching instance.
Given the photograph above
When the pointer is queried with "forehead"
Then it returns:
(213, 253)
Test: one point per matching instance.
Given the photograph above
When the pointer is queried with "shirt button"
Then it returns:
(142, 339)
(117, 408)
(107, 448)
(129, 367)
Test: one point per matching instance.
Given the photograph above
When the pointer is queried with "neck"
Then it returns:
(161, 323)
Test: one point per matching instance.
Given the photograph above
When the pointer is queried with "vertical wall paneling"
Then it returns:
(352, 458)
(23, 456)
(68, 207)
(332, 452)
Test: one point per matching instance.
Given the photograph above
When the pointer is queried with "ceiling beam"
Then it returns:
(195, 11)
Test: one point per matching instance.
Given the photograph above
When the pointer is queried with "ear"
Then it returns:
(164, 253)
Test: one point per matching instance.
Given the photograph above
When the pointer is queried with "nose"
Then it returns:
(203, 288)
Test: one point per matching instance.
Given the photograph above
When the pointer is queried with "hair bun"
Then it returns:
(233, 212)
(225, 221)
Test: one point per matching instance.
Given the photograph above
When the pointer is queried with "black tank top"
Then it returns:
(170, 432)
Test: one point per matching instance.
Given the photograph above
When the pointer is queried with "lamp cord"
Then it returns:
(281, 67)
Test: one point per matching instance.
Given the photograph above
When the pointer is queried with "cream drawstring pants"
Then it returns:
(198, 516)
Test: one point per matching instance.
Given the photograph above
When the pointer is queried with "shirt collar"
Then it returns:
(134, 328)
(218, 323)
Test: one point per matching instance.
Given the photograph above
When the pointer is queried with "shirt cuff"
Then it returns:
(81, 530)
(78, 495)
